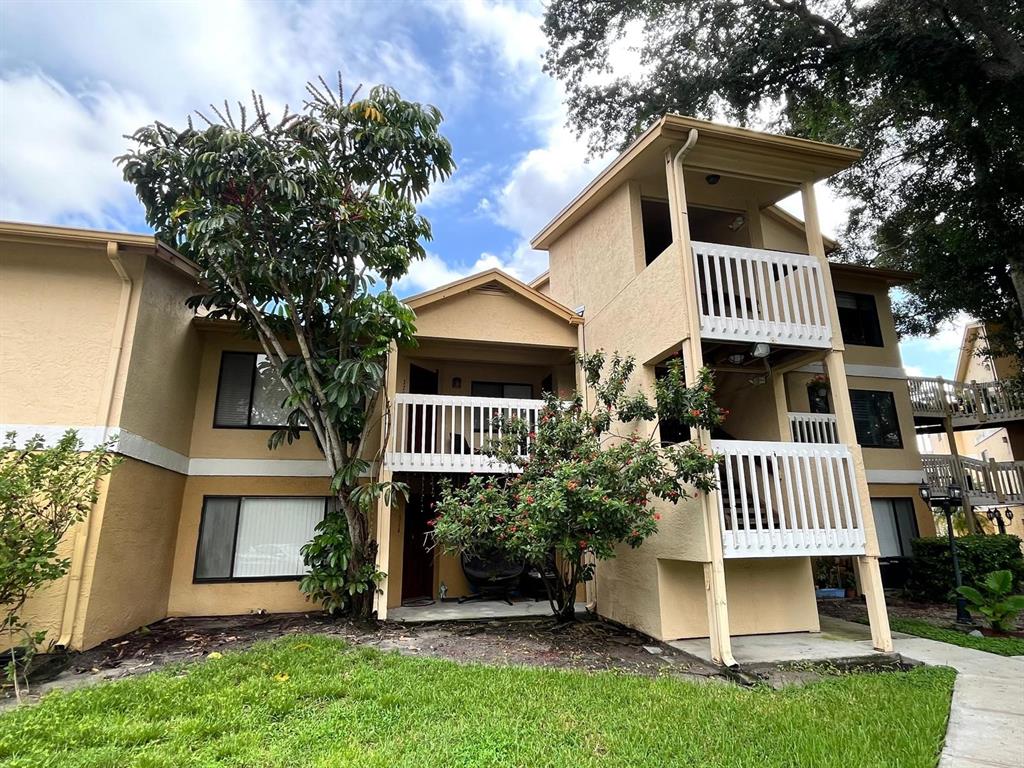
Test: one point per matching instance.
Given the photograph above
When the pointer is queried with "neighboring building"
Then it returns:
(972, 430)
(677, 249)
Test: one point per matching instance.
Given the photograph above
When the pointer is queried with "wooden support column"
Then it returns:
(384, 506)
(868, 572)
(693, 358)
(782, 406)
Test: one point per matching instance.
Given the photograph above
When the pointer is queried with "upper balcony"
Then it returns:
(967, 404)
(750, 295)
(984, 483)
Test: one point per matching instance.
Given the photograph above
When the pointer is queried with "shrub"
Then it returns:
(994, 601)
(931, 571)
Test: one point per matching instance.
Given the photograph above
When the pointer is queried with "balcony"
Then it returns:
(788, 500)
(814, 427)
(445, 433)
(966, 404)
(749, 295)
(985, 483)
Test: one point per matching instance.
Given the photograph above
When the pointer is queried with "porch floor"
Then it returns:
(473, 610)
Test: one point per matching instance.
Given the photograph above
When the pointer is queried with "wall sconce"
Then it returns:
(712, 179)
(456, 382)
(761, 350)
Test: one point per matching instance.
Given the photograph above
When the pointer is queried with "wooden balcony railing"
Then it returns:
(788, 500)
(814, 427)
(443, 433)
(984, 483)
(752, 295)
(966, 403)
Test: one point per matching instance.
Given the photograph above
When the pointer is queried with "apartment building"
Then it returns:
(971, 430)
(676, 250)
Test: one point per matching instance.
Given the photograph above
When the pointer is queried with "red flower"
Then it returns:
(572, 485)
(583, 543)
(511, 529)
(695, 413)
(657, 516)
(529, 499)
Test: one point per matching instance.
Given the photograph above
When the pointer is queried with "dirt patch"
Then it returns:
(939, 614)
(588, 644)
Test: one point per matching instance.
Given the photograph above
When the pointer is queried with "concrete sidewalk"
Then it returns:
(986, 719)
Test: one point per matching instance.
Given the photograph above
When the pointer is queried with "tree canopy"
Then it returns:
(932, 90)
(300, 226)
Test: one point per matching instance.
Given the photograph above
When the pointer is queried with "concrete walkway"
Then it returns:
(473, 610)
(986, 719)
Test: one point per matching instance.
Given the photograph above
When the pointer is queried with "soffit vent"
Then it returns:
(493, 289)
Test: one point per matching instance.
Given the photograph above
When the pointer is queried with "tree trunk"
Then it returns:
(362, 552)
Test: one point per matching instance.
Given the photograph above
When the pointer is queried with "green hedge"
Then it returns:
(931, 570)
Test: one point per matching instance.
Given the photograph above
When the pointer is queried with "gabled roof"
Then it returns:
(17, 231)
(783, 160)
(541, 279)
(481, 279)
(968, 348)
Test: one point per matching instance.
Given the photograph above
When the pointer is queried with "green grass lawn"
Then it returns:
(1003, 646)
(311, 701)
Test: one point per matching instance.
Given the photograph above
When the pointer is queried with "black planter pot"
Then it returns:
(491, 576)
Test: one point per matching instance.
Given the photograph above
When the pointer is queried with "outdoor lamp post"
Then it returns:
(951, 497)
(997, 515)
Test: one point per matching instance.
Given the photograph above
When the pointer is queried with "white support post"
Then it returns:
(867, 565)
(383, 507)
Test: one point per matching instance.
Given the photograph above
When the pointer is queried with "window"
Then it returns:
(255, 537)
(249, 394)
(895, 526)
(817, 398)
(858, 319)
(657, 225)
(495, 389)
(874, 416)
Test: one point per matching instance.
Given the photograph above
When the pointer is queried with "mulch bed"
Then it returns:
(939, 614)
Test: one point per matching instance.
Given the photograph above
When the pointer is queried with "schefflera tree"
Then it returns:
(301, 225)
(590, 470)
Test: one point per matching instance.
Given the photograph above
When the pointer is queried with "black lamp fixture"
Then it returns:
(712, 178)
(947, 498)
(1000, 517)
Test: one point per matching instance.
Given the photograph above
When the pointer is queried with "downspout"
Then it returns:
(703, 435)
(84, 533)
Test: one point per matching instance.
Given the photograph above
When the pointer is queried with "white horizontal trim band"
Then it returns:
(909, 476)
(145, 450)
(868, 371)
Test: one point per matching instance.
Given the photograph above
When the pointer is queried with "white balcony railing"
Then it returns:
(788, 500)
(814, 427)
(752, 295)
(442, 433)
(966, 403)
(983, 482)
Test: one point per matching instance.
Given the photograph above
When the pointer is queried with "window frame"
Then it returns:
(861, 309)
(482, 426)
(891, 500)
(896, 414)
(196, 579)
(252, 393)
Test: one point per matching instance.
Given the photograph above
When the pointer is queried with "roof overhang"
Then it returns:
(421, 300)
(889, 276)
(785, 161)
(14, 231)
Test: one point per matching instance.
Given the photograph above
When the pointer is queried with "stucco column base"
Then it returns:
(871, 583)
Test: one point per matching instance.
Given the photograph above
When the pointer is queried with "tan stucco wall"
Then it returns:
(782, 237)
(889, 354)
(60, 309)
(127, 575)
(765, 596)
(231, 598)
(210, 442)
(494, 317)
(160, 389)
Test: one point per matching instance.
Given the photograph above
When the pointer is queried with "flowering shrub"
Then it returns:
(584, 487)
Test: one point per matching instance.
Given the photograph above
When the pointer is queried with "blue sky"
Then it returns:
(76, 76)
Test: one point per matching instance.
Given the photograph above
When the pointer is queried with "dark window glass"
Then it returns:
(858, 319)
(673, 431)
(817, 397)
(895, 526)
(249, 394)
(874, 416)
(496, 389)
(657, 228)
(217, 538)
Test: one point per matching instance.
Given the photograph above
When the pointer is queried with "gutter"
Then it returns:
(84, 533)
